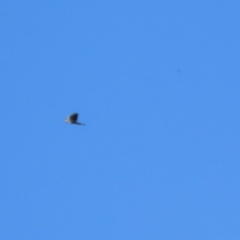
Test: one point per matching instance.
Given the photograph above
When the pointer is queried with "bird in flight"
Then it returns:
(73, 119)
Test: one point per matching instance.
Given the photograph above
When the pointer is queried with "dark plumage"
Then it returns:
(73, 119)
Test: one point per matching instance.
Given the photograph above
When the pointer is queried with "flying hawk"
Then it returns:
(73, 119)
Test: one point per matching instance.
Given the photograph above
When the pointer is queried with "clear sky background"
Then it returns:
(158, 85)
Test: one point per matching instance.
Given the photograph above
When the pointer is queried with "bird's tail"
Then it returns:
(79, 123)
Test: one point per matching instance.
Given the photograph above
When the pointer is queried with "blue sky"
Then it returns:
(157, 83)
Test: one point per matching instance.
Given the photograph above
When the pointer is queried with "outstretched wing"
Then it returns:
(73, 117)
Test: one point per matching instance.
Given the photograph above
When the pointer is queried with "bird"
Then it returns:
(72, 119)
